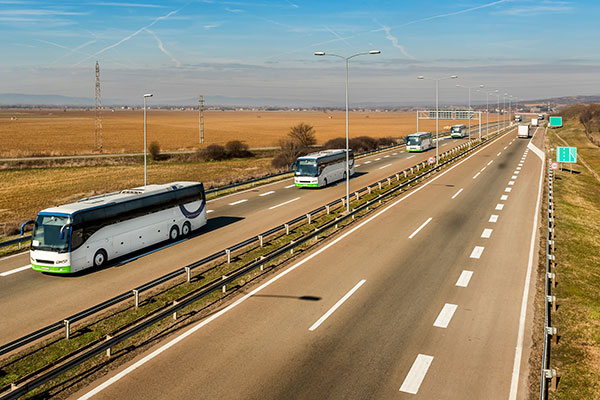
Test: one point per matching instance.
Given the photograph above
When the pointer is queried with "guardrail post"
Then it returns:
(405, 173)
(327, 208)
(389, 181)
(136, 295)
(109, 350)
(287, 229)
(228, 252)
(552, 299)
(67, 328)
(188, 273)
(260, 239)
(379, 183)
(357, 195)
(224, 288)
(398, 177)
(417, 167)
(369, 189)
(552, 277)
(343, 202)
(550, 374)
(551, 331)
(309, 218)
(175, 312)
(292, 249)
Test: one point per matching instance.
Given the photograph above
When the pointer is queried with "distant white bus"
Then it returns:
(458, 131)
(419, 141)
(322, 168)
(88, 233)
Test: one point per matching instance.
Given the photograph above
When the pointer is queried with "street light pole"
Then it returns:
(470, 114)
(347, 59)
(437, 110)
(145, 147)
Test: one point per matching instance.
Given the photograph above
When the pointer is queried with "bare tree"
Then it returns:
(304, 134)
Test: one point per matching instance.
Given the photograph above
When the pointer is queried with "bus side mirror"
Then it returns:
(62, 231)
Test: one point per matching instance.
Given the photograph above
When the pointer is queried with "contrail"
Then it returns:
(73, 50)
(162, 48)
(338, 36)
(112, 46)
(394, 41)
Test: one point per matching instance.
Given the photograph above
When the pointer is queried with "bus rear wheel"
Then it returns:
(100, 258)
(186, 229)
(325, 182)
(174, 233)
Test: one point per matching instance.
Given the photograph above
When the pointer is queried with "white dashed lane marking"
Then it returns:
(499, 207)
(507, 190)
(493, 218)
(417, 373)
(238, 202)
(464, 278)
(266, 193)
(457, 193)
(477, 251)
(486, 233)
(284, 203)
(290, 186)
(443, 319)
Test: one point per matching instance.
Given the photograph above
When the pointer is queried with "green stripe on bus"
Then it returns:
(307, 184)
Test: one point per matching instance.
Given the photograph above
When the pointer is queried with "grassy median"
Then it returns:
(577, 355)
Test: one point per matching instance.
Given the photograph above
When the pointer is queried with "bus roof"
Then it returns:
(459, 126)
(323, 153)
(116, 197)
(420, 133)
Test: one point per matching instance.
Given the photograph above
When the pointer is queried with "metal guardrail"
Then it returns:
(217, 284)
(548, 374)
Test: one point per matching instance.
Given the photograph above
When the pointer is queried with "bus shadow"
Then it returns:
(217, 223)
(356, 175)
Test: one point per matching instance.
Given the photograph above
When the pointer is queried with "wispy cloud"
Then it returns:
(115, 4)
(212, 26)
(292, 4)
(39, 12)
(71, 51)
(126, 38)
(394, 41)
(162, 48)
(543, 7)
(234, 10)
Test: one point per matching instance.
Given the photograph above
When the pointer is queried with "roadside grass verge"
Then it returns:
(577, 355)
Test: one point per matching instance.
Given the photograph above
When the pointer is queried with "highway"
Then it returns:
(48, 298)
(427, 298)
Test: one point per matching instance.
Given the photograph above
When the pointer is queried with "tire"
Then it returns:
(324, 182)
(186, 229)
(100, 258)
(344, 176)
(174, 233)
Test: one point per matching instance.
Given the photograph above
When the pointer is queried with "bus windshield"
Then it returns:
(456, 128)
(46, 233)
(413, 140)
(306, 168)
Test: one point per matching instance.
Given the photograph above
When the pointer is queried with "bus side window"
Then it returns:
(76, 238)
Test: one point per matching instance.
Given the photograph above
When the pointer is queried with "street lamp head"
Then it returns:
(453, 76)
(458, 86)
(481, 86)
(420, 77)
(319, 53)
(148, 95)
(375, 52)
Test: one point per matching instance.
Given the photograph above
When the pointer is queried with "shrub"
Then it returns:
(335, 143)
(154, 150)
(237, 149)
(213, 152)
(386, 141)
(289, 151)
(303, 134)
(361, 144)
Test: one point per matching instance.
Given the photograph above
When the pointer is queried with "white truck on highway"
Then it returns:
(523, 131)
(534, 122)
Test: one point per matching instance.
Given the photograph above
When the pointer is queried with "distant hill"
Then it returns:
(566, 100)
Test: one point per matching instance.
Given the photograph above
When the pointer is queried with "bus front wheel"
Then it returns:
(100, 258)
(174, 233)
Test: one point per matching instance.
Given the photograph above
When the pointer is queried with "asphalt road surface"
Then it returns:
(425, 299)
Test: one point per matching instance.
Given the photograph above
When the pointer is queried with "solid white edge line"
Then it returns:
(14, 271)
(336, 306)
(417, 373)
(464, 278)
(419, 228)
(445, 316)
(457, 193)
(309, 257)
(267, 193)
(284, 203)
(514, 382)
(14, 255)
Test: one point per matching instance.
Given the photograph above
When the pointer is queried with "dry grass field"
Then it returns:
(54, 132)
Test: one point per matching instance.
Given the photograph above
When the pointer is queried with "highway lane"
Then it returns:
(232, 219)
(443, 296)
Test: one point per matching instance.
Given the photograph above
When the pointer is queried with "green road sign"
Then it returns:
(566, 154)
(555, 122)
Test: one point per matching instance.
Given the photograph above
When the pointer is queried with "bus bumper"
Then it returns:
(306, 184)
(62, 269)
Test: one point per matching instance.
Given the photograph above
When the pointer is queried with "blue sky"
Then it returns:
(264, 49)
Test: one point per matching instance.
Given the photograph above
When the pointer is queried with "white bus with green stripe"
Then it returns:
(419, 141)
(92, 231)
(322, 168)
